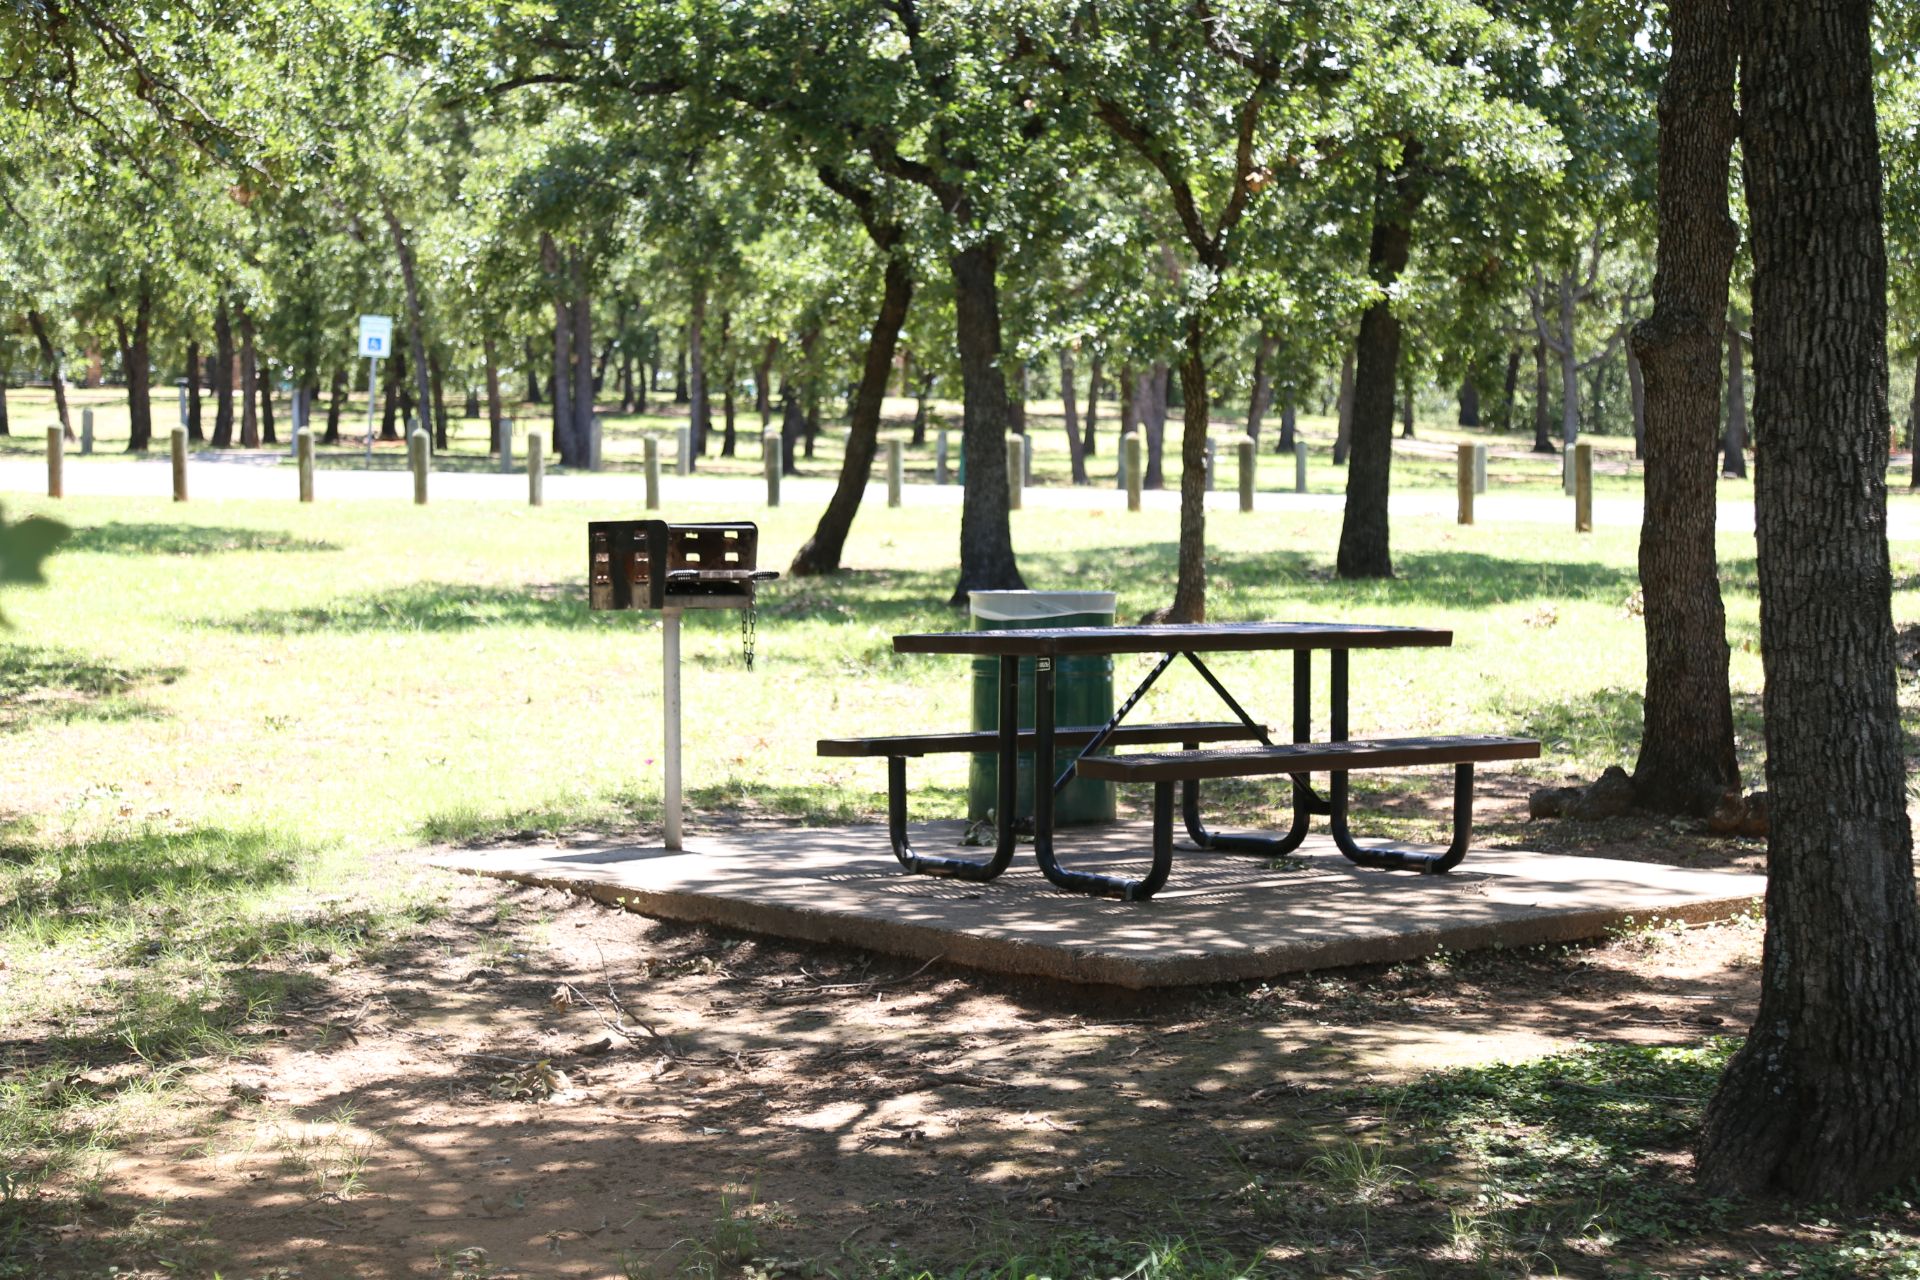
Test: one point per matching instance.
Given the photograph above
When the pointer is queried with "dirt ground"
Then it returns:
(537, 1085)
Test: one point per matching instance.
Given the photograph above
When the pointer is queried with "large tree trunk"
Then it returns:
(1822, 1102)
(1569, 375)
(1262, 394)
(393, 395)
(222, 377)
(6, 427)
(729, 380)
(1364, 550)
(336, 401)
(986, 535)
(1289, 422)
(1469, 401)
(1095, 368)
(1913, 430)
(821, 553)
(1076, 455)
(680, 395)
(195, 430)
(697, 366)
(1406, 404)
(263, 384)
(50, 355)
(810, 389)
(1736, 441)
(1542, 397)
(1686, 747)
(249, 381)
(416, 316)
(562, 380)
(1190, 584)
(1343, 411)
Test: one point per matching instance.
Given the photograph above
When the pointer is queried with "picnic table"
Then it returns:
(1253, 753)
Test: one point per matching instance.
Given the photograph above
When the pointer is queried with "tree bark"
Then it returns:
(1735, 463)
(249, 379)
(263, 383)
(1542, 440)
(562, 380)
(793, 425)
(195, 430)
(986, 535)
(729, 379)
(1913, 430)
(1153, 418)
(1095, 368)
(416, 315)
(134, 358)
(1190, 585)
(55, 374)
(1406, 404)
(1686, 758)
(680, 395)
(1262, 394)
(6, 427)
(821, 553)
(1364, 550)
(1637, 396)
(1289, 422)
(1469, 401)
(222, 377)
(698, 412)
(1509, 388)
(1822, 1102)
(496, 413)
(809, 390)
(532, 371)
(1017, 405)
(578, 455)
(336, 401)
(763, 382)
(394, 398)
(1343, 409)
(1076, 454)
(439, 386)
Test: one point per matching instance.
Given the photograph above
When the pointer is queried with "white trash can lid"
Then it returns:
(1026, 606)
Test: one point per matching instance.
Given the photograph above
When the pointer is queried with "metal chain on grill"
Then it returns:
(749, 624)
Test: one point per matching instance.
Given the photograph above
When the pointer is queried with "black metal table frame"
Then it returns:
(1306, 802)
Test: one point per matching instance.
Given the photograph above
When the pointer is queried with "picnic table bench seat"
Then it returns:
(898, 748)
(1296, 760)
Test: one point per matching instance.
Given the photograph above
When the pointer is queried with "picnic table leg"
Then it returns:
(966, 868)
(1087, 881)
(1392, 859)
(1305, 802)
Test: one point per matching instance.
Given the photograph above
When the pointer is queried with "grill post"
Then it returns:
(670, 713)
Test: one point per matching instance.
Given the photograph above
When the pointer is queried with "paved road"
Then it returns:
(212, 477)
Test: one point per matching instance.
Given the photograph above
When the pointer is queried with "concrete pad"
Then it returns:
(1220, 918)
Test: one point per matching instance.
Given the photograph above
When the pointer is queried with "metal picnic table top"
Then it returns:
(1208, 637)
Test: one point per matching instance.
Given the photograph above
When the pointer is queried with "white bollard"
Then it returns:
(593, 443)
(1248, 449)
(56, 462)
(536, 468)
(1212, 469)
(1016, 470)
(896, 470)
(1479, 468)
(771, 447)
(504, 435)
(940, 457)
(86, 432)
(1299, 466)
(652, 454)
(683, 463)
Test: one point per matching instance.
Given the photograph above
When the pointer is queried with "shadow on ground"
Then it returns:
(39, 684)
(116, 538)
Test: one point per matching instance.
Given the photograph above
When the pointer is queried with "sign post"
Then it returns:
(376, 338)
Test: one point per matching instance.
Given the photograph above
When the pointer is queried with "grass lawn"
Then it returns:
(230, 722)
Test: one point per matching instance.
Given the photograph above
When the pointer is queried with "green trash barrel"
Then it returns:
(1082, 695)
